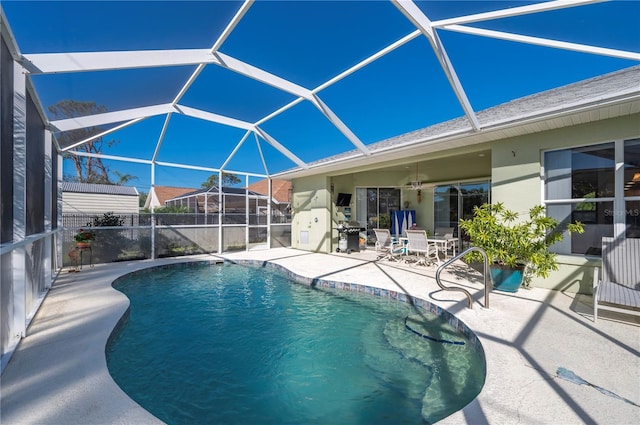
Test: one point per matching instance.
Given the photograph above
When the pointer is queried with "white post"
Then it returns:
(19, 201)
(247, 217)
(153, 215)
(220, 212)
(269, 202)
(48, 203)
(59, 236)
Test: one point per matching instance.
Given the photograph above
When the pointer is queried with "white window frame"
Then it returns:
(618, 200)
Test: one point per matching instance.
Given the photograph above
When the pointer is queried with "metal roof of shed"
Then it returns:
(105, 189)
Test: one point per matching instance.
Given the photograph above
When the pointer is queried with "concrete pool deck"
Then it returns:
(58, 373)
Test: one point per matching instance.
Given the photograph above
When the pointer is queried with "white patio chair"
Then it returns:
(418, 244)
(450, 246)
(386, 247)
(619, 288)
(444, 231)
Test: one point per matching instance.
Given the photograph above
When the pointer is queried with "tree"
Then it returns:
(88, 169)
(123, 178)
(142, 198)
(228, 179)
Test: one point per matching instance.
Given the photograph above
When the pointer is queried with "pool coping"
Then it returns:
(58, 373)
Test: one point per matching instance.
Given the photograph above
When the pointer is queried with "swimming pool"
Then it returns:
(235, 344)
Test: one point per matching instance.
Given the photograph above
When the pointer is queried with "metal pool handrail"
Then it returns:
(467, 293)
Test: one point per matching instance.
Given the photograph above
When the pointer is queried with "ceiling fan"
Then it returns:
(415, 184)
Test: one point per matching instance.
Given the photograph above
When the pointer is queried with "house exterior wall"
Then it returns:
(517, 182)
(152, 200)
(514, 165)
(312, 222)
(89, 203)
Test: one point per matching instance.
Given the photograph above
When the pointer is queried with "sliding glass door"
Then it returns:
(374, 206)
(455, 201)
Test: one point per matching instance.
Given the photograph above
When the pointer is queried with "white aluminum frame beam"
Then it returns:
(333, 118)
(56, 63)
(160, 163)
(264, 163)
(235, 150)
(161, 137)
(209, 169)
(110, 117)
(221, 39)
(514, 11)
(265, 77)
(216, 118)
(104, 133)
(94, 61)
(415, 15)
(390, 48)
(286, 152)
(110, 157)
(583, 48)
(225, 34)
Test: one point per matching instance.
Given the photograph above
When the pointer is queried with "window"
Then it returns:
(582, 184)
(631, 188)
(456, 201)
(374, 206)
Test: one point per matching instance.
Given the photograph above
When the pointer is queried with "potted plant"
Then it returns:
(84, 238)
(516, 249)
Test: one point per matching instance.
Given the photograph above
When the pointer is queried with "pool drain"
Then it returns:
(421, 327)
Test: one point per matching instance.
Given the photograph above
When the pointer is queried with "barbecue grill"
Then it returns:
(349, 237)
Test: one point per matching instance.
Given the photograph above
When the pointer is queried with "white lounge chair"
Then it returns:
(420, 246)
(386, 247)
(619, 288)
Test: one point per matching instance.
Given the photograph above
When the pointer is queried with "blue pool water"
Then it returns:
(228, 344)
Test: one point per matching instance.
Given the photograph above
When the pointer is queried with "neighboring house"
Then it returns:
(574, 150)
(91, 198)
(233, 199)
(280, 190)
(280, 195)
(206, 200)
(158, 195)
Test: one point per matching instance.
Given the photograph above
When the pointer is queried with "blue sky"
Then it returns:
(308, 43)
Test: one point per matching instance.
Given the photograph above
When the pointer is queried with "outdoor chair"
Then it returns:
(418, 244)
(386, 247)
(619, 288)
(450, 247)
(444, 232)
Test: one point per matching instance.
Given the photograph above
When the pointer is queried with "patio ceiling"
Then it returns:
(267, 87)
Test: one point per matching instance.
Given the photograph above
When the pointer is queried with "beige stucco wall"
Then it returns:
(311, 225)
(516, 181)
(514, 166)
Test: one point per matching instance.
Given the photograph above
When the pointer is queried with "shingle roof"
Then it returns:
(164, 193)
(214, 190)
(105, 189)
(591, 92)
(279, 189)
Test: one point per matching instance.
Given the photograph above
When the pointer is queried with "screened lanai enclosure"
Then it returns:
(260, 90)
